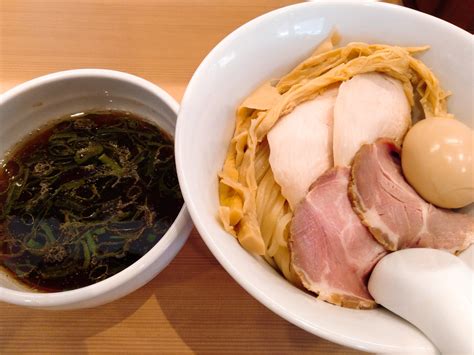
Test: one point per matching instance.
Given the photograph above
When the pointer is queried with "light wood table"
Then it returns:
(193, 305)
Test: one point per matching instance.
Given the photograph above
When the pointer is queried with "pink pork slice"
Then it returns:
(392, 210)
(331, 250)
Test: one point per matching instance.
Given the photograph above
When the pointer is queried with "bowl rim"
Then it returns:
(175, 234)
(202, 228)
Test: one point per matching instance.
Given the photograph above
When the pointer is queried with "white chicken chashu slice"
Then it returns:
(368, 106)
(301, 145)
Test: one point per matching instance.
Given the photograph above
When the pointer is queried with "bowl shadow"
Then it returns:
(212, 313)
(31, 330)
(24, 329)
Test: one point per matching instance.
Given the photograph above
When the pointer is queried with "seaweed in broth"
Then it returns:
(84, 198)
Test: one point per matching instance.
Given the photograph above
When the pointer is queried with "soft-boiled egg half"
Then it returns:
(437, 160)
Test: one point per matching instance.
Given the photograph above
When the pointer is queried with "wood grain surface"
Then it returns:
(193, 305)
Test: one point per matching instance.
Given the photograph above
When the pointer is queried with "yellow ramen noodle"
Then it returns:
(252, 207)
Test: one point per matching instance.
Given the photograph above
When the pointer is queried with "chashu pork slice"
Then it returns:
(368, 106)
(331, 250)
(301, 145)
(392, 210)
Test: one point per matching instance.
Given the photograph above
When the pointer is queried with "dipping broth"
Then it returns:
(84, 198)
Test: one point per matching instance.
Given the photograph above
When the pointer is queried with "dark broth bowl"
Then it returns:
(31, 105)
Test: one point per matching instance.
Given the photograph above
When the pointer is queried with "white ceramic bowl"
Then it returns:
(268, 47)
(30, 105)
